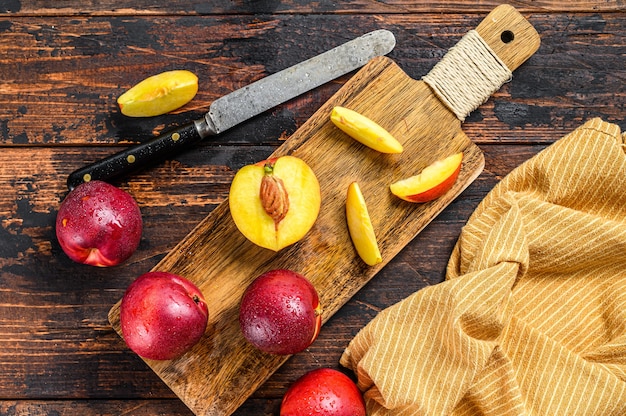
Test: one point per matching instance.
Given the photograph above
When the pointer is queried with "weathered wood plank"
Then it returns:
(94, 407)
(59, 78)
(200, 7)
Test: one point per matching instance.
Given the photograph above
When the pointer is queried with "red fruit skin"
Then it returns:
(438, 190)
(280, 312)
(99, 224)
(162, 315)
(323, 392)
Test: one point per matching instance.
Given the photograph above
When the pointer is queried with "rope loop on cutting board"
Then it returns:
(467, 75)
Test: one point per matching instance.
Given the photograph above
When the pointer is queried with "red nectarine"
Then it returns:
(323, 392)
(162, 315)
(280, 312)
(99, 224)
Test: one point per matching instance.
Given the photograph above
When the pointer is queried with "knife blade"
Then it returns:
(241, 105)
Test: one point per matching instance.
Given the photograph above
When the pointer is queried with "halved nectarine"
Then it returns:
(435, 180)
(274, 203)
(360, 226)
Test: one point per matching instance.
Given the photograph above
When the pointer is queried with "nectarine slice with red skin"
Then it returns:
(365, 130)
(275, 203)
(434, 181)
(360, 226)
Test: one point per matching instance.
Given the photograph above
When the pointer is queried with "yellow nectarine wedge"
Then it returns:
(364, 130)
(435, 180)
(274, 203)
(159, 94)
(360, 226)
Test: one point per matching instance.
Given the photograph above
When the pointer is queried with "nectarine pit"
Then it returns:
(273, 194)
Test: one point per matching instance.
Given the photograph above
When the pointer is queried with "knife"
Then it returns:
(241, 105)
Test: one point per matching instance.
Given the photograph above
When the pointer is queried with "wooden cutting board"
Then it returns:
(223, 370)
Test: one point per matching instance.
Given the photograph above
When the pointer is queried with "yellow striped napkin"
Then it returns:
(531, 319)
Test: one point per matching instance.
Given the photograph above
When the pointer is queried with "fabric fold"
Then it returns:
(531, 319)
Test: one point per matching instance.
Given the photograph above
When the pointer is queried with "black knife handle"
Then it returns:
(137, 156)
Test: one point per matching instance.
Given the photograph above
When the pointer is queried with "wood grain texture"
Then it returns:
(221, 371)
(42, 7)
(82, 65)
(99, 407)
(62, 65)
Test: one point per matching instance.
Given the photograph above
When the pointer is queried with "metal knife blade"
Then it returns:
(241, 105)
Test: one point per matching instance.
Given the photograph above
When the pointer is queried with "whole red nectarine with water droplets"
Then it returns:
(99, 224)
(323, 392)
(162, 315)
(280, 312)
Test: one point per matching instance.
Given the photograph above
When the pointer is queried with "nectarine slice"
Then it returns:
(274, 203)
(435, 180)
(159, 94)
(360, 226)
(364, 130)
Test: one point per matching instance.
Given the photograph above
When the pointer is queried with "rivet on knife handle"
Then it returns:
(241, 105)
(137, 156)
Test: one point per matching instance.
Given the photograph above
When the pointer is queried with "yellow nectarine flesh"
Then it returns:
(435, 180)
(276, 202)
(159, 94)
(360, 226)
(364, 130)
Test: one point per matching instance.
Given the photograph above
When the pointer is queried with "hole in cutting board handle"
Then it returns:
(507, 36)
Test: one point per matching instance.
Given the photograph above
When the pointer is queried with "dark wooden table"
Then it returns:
(64, 63)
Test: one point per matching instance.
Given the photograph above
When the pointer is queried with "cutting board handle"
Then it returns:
(483, 60)
(509, 35)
